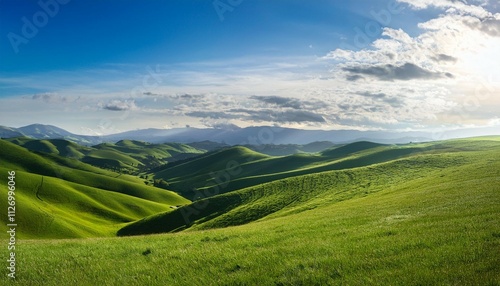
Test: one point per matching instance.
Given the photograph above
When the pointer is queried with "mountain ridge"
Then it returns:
(254, 135)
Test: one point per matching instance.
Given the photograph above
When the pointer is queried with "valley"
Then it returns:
(357, 213)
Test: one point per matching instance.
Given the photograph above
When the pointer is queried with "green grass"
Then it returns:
(305, 192)
(125, 156)
(253, 168)
(61, 198)
(429, 219)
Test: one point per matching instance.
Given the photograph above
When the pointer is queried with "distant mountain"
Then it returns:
(40, 131)
(7, 132)
(263, 135)
(266, 135)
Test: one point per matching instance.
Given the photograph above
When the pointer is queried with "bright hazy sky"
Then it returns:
(100, 67)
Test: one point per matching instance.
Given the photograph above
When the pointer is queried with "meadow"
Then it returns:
(426, 217)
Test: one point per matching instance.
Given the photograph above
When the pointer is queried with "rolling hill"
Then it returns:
(435, 162)
(290, 149)
(253, 168)
(60, 197)
(429, 218)
(124, 156)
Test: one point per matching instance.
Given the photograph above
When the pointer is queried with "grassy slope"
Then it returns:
(131, 154)
(126, 155)
(254, 168)
(255, 202)
(60, 197)
(434, 221)
(198, 172)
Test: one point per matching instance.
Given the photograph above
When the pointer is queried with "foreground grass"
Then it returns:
(441, 228)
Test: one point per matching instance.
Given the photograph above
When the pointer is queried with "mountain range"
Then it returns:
(232, 135)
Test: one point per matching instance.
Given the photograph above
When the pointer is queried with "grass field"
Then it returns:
(124, 156)
(428, 218)
(61, 198)
(253, 168)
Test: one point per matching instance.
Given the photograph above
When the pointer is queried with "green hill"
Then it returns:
(199, 172)
(229, 172)
(337, 152)
(300, 193)
(430, 218)
(290, 149)
(59, 197)
(126, 156)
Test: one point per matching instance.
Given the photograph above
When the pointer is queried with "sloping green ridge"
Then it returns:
(215, 171)
(442, 228)
(198, 172)
(340, 151)
(52, 208)
(307, 192)
(55, 200)
(18, 158)
(127, 155)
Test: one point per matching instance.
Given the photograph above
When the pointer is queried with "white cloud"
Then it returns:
(457, 6)
(119, 105)
(455, 56)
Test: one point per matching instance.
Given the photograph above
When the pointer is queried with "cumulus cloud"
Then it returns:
(187, 96)
(353, 77)
(389, 72)
(211, 114)
(451, 57)
(120, 105)
(474, 15)
(379, 95)
(288, 102)
(49, 97)
(490, 26)
(457, 6)
(262, 115)
(287, 116)
(444, 58)
(279, 101)
(149, 93)
(383, 97)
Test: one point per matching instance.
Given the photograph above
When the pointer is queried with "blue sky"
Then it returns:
(87, 34)
(98, 67)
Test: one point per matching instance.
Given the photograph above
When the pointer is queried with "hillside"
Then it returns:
(306, 192)
(290, 149)
(61, 198)
(428, 219)
(215, 171)
(125, 156)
